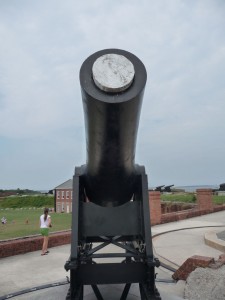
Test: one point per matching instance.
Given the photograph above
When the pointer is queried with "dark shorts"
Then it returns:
(44, 231)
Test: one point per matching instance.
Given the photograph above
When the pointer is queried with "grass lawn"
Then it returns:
(189, 198)
(16, 222)
(219, 199)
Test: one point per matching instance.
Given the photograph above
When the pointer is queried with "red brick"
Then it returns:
(204, 199)
(190, 265)
(155, 207)
(24, 245)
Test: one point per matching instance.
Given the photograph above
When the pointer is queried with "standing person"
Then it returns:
(45, 223)
(4, 221)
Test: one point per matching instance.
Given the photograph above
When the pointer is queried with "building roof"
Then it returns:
(65, 185)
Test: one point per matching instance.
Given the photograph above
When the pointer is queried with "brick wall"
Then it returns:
(181, 215)
(197, 261)
(24, 245)
(190, 265)
(63, 200)
(204, 206)
(169, 207)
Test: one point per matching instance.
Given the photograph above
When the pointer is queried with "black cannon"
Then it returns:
(168, 188)
(159, 188)
(110, 192)
(222, 187)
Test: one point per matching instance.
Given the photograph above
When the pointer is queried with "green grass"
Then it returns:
(16, 222)
(189, 198)
(186, 198)
(219, 199)
(27, 201)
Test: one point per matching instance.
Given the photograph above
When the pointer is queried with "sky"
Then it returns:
(181, 137)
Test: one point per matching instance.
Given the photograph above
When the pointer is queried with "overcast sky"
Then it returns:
(181, 137)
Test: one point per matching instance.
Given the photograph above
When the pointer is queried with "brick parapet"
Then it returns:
(217, 208)
(190, 213)
(181, 215)
(155, 207)
(197, 261)
(190, 265)
(205, 199)
(33, 243)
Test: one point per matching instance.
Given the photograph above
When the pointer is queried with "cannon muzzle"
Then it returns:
(112, 86)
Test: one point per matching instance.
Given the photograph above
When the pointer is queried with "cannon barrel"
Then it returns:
(112, 87)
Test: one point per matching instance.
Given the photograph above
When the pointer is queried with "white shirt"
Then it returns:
(44, 224)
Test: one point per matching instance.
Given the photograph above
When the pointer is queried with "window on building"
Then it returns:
(67, 194)
(62, 194)
(58, 207)
(58, 194)
(62, 207)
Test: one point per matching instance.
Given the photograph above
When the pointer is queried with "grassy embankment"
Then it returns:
(189, 198)
(23, 213)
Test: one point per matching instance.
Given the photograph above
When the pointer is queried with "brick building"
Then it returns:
(63, 197)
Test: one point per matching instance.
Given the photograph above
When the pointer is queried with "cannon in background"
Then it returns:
(222, 187)
(159, 188)
(110, 192)
(168, 188)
